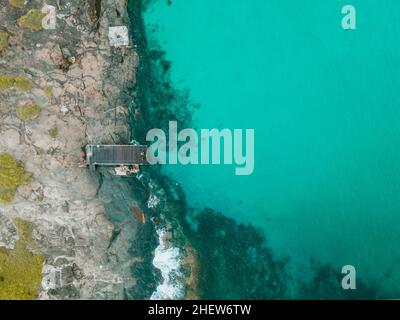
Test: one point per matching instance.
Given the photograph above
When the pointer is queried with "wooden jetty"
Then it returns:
(115, 155)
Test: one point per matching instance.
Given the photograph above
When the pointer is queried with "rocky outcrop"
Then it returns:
(80, 88)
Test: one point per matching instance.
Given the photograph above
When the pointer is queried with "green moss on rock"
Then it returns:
(28, 112)
(17, 3)
(20, 269)
(32, 20)
(3, 40)
(53, 132)
(12, 175)
(48, 91)
(18, 82)
(6, 82)
(23, 84)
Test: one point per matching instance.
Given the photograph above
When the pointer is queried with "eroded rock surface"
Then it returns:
(81, 85)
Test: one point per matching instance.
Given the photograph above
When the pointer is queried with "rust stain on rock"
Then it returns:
(139, 214)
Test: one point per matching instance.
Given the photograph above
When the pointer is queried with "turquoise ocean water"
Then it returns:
(325, 106)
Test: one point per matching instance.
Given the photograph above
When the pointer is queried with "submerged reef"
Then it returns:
(235, 262)
(12, 175)
(20, 268)
(325, 284)
(155, 100)
(153, 103)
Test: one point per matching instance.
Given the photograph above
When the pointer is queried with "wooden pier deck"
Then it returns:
(115, 155)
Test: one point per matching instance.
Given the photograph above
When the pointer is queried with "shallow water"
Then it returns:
(325, 107)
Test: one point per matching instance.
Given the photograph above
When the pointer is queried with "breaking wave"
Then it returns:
(167, 260)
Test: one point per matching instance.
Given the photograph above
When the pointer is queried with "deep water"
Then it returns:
(325, 107)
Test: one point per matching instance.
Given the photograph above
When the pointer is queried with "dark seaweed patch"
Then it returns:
(155, 100)
(235, 262)
(326, 284)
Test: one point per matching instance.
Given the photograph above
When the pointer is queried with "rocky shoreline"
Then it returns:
(80, 86)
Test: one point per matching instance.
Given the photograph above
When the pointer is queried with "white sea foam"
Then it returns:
(167, 260)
